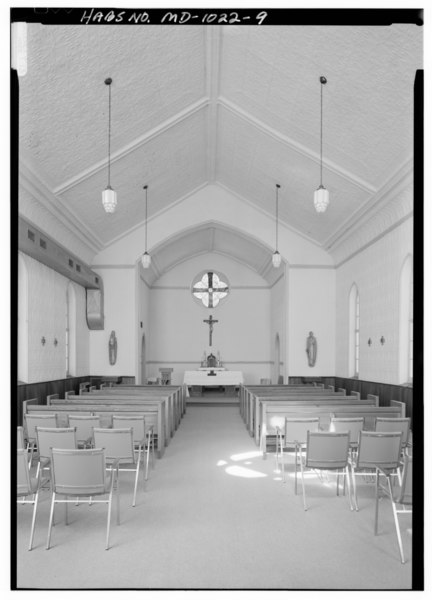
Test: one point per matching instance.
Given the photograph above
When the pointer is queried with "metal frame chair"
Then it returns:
(327, 451)
(351, 424)
(294, 438)
(81, 473)
(31, 421)
(53, 437)
(142, 436)
(376, 451)
(404, 498)
(84, 425)
(27, 486)
(120, 451)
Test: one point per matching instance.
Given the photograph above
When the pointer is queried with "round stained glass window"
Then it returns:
(210, 288)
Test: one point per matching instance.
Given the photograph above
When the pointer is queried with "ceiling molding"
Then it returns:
(134, 145)
(299, 148)
(39, 190)
(155, 216)
(213, 56)
(393, 186)
(269, 215)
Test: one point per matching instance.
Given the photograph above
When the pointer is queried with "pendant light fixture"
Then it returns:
(321, 195)
(109, 196)
(276, 258)
(146, 258)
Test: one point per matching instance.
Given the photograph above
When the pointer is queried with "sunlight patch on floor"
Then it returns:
(246, 455)
(243, 472)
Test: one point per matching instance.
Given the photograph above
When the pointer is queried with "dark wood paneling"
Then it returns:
(385, 391)
(42, 389)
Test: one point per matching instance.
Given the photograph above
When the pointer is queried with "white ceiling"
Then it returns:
(239, 106)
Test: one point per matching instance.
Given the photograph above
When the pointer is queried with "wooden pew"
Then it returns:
(246, 390)
(105, 397)
(252, 414)
(151, 412)
(250, 393)
(173, 396)
(274, 414)
(310, 400)
(179, 390)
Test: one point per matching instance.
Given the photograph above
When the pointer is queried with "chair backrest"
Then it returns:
(84, 425)
(55, 437)
(20, 438)
(78, 472)
(296, 429)
(118, 443)
(395, 424)
(32, 421)
(378, 449)
(327, 450)
(23, 474)
(352, 424)
(137, 423)
(405, 492)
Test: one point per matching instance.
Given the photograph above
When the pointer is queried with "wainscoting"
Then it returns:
(42, 389)
(385, 391)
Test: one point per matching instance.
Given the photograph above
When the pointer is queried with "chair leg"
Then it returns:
(347, 478)
(295, 471)
(377, 486)
(396, 520)
(136, 481)
(354, 488)
(33, 520)
(147, 457)
(50, 520)
(66, 512)
(117, 484)
(108, 521)
(302, 481)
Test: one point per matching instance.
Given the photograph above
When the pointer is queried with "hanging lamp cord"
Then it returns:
(277, 214)
(145, 187)
(109, 135)
(321, 133)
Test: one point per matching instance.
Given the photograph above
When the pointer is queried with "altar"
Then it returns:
(212, 378)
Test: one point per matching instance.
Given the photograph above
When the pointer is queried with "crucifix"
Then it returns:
(210, 322)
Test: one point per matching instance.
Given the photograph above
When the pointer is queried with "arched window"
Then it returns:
(70, 333)
(23, 340)
(406, 322)
(354, 332)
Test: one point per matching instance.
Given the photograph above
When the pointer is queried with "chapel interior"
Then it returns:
(205, 213)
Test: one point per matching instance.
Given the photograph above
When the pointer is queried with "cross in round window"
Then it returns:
(210, 289)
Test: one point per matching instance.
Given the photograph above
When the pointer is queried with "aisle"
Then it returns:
(215, 516)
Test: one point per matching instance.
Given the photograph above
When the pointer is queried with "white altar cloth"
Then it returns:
(220, 378)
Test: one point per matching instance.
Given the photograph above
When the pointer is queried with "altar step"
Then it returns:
(212, 399)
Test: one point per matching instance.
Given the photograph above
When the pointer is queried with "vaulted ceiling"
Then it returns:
(236, 106)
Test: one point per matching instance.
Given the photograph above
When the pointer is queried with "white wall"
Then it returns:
(47, 293)
(179, 337)
(278, 325)
(213, 204)
(311, 307)
(120, 316)
(376, 271)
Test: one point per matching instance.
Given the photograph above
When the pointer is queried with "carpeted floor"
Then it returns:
(215, 515)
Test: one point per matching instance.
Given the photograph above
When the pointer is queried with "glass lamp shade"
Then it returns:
(276, 259)
(146, 260)
(109, 199)
(321, 199)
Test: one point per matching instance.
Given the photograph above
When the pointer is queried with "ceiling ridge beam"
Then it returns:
(299, 148)
(134, 145)
(213, 63)
(394, 184)
(30, 181)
